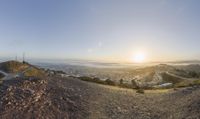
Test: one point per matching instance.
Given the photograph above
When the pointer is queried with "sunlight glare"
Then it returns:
(139, 57)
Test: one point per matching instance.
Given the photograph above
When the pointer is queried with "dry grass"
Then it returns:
(13, 66)
(34, 73)
(187, 83)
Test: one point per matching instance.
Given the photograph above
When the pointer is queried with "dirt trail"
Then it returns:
(69, 98)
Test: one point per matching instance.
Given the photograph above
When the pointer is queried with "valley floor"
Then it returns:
(71, 98)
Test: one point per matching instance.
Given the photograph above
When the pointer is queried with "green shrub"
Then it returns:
(121, 81)
(97, 80)
(134, 84)
(141, 91)
(125, 85)
(193, 74)
(109, 82)
(187, 83)
(197, 82)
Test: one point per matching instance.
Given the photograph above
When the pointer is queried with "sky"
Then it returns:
(110, 30)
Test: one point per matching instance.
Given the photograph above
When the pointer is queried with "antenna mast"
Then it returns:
(23, 57)
(16, 58)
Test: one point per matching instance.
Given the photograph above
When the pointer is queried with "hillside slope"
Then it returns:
(70, 98)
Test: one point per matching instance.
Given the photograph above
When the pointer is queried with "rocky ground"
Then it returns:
(69, 98)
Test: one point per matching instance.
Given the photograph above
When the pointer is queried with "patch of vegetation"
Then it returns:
(97, 80)
(194, 74)
(125, 85)
(34, 72)
(85, 78)
(134, 84)
(60, 72)
(141, 91)
(110, 82)
(121, 81)
(171, 79)
(187, 74)
(187, 83)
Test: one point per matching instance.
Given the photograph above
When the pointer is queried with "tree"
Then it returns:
(109, 82)
(193, 74)
(134, 84)
(121, 81)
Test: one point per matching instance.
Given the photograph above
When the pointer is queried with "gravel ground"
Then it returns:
(69, 98)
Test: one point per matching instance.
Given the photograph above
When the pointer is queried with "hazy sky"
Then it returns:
(100, 29)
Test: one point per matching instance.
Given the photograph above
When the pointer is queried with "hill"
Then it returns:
(13, 66)
(21, 69)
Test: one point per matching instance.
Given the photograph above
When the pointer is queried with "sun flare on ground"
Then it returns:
(139, 57)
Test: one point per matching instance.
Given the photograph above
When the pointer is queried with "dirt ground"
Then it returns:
(69, 98)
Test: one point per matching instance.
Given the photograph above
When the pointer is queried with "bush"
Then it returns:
(134, 84)
(197, 82)
(109, 82)
(33, 72)
(125, 86)
(193, 74)
(121, 81)
(97, 80)
(141, 91)
(60, 72)
(187, 83)
(85, 78)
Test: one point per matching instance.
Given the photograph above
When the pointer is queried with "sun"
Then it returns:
(139, 57)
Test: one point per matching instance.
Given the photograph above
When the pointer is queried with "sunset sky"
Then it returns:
(114, 30)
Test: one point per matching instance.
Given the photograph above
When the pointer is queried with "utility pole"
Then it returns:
(16, 58)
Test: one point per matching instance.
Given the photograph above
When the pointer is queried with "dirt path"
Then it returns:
(68, 98)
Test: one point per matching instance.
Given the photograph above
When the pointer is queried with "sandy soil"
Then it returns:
(69, 98)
